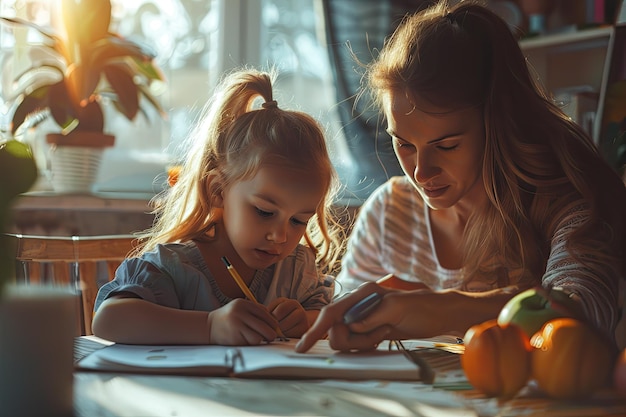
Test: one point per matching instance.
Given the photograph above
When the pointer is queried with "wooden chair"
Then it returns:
(83, 261)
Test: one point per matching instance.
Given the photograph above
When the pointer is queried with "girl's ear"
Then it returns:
(215, 190)
(218, 199)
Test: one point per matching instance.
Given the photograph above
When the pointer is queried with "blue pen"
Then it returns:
(361, 309)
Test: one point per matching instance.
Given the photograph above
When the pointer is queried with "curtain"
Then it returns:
(357, 29)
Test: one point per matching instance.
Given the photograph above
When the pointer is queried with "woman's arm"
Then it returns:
(593, 275)
(393, 282)
(428, 313)
(404, 314)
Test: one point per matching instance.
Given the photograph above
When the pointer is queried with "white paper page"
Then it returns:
(143, 356)
(280, 360)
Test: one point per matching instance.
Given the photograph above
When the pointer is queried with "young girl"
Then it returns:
(502, 191)
(257, 182)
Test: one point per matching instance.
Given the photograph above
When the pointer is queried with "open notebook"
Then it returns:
(273, 360)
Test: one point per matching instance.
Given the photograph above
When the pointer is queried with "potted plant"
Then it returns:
(84, 67)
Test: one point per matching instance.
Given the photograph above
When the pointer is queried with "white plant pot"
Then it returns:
(75, 159)
(37, 330)
(74, 169)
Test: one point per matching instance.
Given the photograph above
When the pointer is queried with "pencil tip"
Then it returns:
(225, 261)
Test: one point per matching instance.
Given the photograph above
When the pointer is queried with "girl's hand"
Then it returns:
(363, 335)
(291, 316)
(241, 322)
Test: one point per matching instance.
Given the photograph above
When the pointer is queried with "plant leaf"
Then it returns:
(61, 105)
(147, 68)
(90, 116)
(82, 82)
(148, 95)
(51, 38)
(33, 79)
(86, 21)
(46, 54)
(122, 83)
(112, 48)
(32, 103)
(50, 34)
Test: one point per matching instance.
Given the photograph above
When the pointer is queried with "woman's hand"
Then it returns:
(363, 335)
(291, 316)
(400, 315)
(241, 322)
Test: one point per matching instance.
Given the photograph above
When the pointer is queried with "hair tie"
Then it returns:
(270, 104)
(450, 17)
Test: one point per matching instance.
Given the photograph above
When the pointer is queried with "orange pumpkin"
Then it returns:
(496, 360)
(571, 359)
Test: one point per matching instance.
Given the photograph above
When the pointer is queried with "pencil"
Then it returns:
(244, 288)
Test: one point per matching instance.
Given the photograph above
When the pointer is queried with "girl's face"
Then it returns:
(441, 153)
(266, 216)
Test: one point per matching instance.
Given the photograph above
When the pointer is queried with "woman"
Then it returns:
(502, 190)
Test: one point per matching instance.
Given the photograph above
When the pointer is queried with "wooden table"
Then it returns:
(107, 394)
(116, 395)
(112, 395)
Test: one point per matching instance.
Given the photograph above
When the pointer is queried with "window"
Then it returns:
(196, 41)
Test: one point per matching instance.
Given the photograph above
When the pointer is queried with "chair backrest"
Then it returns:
(83, 261)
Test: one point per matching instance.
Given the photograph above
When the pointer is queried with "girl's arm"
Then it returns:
(132, 320)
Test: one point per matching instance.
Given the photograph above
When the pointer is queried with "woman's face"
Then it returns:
(266, 216)
(442, 153)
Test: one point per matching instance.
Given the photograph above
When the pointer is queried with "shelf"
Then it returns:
(53, 214)
(113, 202)
(599, 35)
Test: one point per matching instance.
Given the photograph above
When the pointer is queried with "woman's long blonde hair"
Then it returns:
(538, 166)
(229, 143)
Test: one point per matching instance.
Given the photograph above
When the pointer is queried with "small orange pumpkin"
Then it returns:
(571, 359)
(496, 360)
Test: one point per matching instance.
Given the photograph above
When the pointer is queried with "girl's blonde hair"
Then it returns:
(229, 143)
(539, 166)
